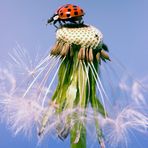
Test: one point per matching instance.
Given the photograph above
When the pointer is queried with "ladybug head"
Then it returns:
(54, 18)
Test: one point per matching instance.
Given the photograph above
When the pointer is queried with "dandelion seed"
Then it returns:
(22, 61)
(21, 114)
(117, 129)
(137, 94)
(7, 82)
(135, 89)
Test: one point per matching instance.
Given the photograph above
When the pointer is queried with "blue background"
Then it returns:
(123, 23)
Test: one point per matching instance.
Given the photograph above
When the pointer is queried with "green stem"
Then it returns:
(79, 130)
(82, 139)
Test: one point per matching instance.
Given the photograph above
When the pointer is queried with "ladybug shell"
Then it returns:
(69, 11)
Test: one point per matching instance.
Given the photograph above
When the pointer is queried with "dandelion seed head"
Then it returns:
(86, 36)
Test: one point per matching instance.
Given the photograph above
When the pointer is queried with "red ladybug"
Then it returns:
(65, 13)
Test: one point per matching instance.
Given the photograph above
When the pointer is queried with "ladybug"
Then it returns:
(67, 13)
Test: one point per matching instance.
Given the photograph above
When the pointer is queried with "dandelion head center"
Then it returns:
(85, 36)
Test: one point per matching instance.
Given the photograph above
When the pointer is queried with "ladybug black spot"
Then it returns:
(74, 6)
(66, 6)
(75, 9)
(61, 14)
(69, 10)
(68, 15)
(75, 13)
(81, 10)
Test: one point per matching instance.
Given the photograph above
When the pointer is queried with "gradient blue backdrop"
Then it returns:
(124, 24)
